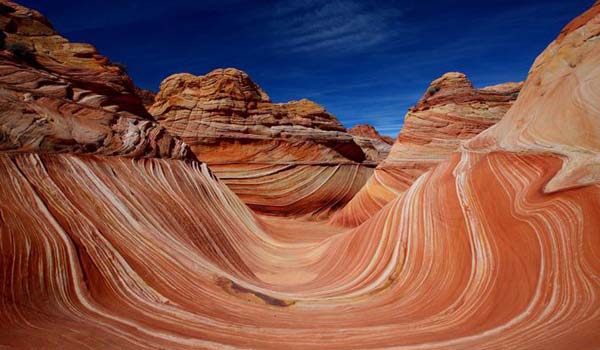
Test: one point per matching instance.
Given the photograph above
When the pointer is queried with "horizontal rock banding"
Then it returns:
(226, 105)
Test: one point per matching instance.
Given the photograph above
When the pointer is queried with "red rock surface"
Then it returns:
(495, 248)
(450, 112)
(225, 109)
(368, 131)
(290, 158)
(58, 96)
(375, 146)
(559, 110)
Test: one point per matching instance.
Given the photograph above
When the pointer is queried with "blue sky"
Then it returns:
(366, 61)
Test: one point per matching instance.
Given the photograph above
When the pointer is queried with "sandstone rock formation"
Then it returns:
(368, 131)
(146, 96)
(450, 112)
(219, 113)
(375, 146)
(57, 96)
(293, 158)
(495, 248)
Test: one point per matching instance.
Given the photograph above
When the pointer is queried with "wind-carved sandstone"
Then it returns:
(450, 112)
(495, 247)
(290, 158)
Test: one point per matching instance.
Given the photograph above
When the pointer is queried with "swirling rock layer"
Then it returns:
(91, 258)
(450, 112)
(559, 112)
(312, 190)
(478, 253)
(58, 96)
(284, 159)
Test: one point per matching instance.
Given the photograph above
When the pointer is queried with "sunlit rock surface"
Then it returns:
(58, 96)
(285, 159)
(109, 252)
(450, 112)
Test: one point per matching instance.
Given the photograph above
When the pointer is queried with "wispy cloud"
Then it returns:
(335, 26)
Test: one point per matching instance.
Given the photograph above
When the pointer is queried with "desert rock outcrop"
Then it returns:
(375, 146)
(58, 96)
(496, 247)
(450, 112)
(290, 158)
(146, 96)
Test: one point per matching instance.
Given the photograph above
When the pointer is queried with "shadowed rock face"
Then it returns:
(290, 158)
(146, 96)
(496, 247)
(450, 112)
(368, 131)
(375, 146)
(58, 96)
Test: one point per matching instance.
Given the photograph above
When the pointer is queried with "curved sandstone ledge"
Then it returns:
(313, 191)
(231, 124)
(450, 112)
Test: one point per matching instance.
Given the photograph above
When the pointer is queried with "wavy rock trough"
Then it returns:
(450, 112)
(286, 159)
(495, 248)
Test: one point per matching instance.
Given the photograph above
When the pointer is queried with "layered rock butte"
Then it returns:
(496, 247)
(285, 159)
(375, 146)
(450, 112)
(369, 132)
